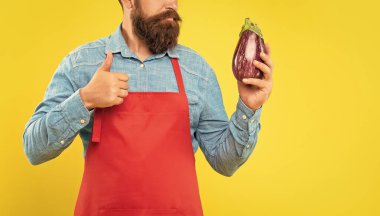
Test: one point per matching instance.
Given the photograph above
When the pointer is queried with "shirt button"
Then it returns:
(142, 65)
(244, 117)
(252, 120)
(247, 145)
(82, 121)
(62, 141)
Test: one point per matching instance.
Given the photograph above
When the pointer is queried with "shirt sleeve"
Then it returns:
(226, 144)
(57, 119)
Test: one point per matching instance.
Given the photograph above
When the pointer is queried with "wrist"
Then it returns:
(244, 105)
(255, 109)
(83, 94)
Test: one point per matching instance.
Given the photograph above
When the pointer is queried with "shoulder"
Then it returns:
(90, 53)
(187, 53)
(193, 61)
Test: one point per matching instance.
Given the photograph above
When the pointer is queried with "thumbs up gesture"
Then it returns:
(105, 89)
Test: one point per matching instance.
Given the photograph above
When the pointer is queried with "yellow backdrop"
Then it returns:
(317, 152)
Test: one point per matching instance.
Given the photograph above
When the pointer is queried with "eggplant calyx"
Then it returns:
(251, 27)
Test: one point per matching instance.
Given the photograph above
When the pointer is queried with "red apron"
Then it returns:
(140, 160)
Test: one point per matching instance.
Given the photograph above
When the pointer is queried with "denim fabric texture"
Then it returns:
(61, 115)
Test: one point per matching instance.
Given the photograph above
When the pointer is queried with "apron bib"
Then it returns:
(140, 159)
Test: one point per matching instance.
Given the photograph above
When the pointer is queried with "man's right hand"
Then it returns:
(105, 89)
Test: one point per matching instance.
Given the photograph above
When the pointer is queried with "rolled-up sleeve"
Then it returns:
(57, 119)
(226, 144)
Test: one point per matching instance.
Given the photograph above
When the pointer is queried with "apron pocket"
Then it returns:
(137, 212)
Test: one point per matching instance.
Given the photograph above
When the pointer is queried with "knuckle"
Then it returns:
(124, 92)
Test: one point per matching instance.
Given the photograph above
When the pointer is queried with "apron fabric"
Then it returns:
(140, 159)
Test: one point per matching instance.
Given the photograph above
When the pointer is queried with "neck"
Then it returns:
(137, 46)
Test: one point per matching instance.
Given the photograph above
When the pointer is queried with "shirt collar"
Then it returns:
(116, 43)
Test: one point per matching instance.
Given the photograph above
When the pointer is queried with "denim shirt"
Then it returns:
(62, 115)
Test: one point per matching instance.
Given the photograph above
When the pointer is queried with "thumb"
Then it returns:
(106, 66)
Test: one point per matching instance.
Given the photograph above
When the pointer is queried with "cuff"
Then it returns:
(246, 118)
(75, 112)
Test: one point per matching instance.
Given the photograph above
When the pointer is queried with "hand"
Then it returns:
(105, 89)
(253, 91)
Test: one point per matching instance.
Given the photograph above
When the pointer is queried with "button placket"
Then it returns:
(245, 150)
(247, 146)
(251, 124)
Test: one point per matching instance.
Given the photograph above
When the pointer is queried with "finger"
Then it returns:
(267, 49)
(266, 59)
(119, 100)
(106, 66)
(121, 76)
(122, 93)
(264, 68)
(123, 85)
(254, 81)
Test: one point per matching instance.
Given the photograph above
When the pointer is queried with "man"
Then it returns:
(142, 104)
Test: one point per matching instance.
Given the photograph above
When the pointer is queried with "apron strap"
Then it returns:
(97, 125)
(99, 112)
(178, 76)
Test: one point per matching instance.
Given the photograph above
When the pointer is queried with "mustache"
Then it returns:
(169, 13)
(158, 35)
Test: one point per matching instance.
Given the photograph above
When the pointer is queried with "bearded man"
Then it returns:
(142, 104)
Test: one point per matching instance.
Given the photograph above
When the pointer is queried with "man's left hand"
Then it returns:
(253, 91)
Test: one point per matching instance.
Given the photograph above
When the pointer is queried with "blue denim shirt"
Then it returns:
(61, 115)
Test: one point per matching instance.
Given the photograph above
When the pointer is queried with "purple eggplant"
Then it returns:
(251, 43)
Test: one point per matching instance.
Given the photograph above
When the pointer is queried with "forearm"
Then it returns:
(236, 141)
(47, 134)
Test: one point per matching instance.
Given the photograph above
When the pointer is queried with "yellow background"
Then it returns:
(318, 151)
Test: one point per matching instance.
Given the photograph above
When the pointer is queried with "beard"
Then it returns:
(158, 32)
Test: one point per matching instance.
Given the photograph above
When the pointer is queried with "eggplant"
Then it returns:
(251, 43)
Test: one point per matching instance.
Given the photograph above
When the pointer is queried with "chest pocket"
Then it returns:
(194, 108)
(192, 98)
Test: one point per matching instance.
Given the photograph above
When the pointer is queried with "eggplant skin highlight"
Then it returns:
(250, 44)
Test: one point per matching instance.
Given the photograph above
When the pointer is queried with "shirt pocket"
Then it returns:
(192, 98)
(194, 107)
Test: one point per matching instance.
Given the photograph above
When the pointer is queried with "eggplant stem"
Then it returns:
(248, 25)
